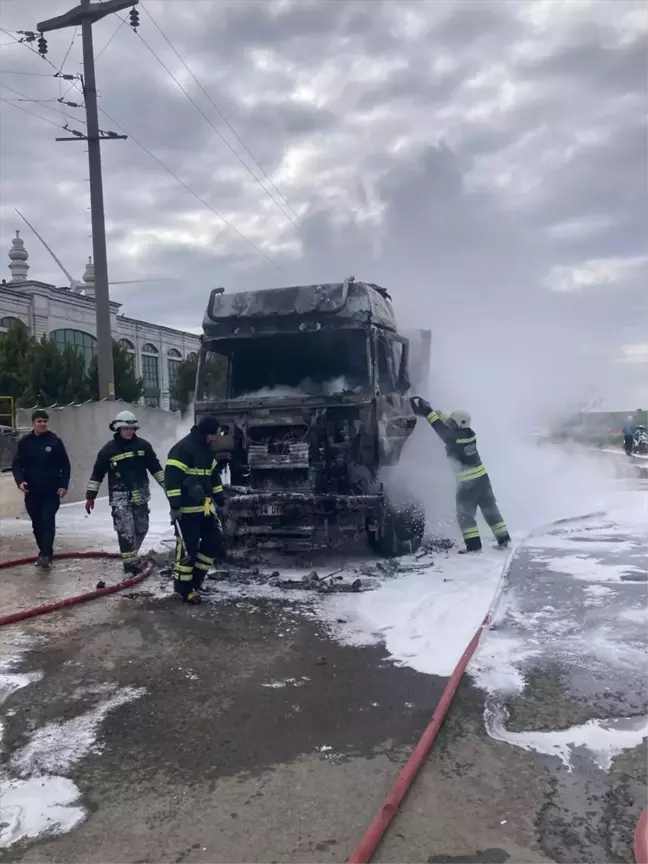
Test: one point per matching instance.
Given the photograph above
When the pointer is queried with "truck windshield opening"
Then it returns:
(284, 365)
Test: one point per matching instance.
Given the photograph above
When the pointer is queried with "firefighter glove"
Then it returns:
(175, 516)
(420, 406)
(89, 505)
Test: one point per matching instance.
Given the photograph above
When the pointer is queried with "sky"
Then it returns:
(486, 161)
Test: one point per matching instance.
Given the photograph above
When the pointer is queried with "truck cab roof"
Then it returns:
(335, 304)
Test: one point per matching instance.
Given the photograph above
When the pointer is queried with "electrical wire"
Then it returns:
(145, 149)
(189, 189)
(217, 109)
(215, 128)
(119, 27)
(27, 99)
(26, 111)
(60, 80)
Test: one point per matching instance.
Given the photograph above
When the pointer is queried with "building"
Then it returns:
(67, 315)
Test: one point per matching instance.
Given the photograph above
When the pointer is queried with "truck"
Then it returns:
(310, 384)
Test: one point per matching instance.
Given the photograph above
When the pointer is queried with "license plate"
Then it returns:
(272, 510)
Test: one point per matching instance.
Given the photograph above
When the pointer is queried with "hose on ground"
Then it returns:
(79, 598)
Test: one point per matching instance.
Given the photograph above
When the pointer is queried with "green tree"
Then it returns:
(184, 386)
(16, 346)
(54, 376)
(127, 385)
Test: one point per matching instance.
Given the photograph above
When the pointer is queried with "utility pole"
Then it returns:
(85, 15)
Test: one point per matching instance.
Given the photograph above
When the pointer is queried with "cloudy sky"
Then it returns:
(486, 161)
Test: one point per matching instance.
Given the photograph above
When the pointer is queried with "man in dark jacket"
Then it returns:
(474, 488)
(126, 459)
(193, 486)
(41, 469)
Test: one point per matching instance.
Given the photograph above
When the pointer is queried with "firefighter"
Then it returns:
(474, 488)
(193, 487)
(126, 459)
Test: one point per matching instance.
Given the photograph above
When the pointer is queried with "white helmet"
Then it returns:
(124, 420)
(461, 418)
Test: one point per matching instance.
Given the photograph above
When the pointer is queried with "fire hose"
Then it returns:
(376, 831)
(79, 598)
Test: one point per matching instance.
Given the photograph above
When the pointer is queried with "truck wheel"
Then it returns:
(401, 532)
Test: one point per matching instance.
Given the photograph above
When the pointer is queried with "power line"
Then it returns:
(26, 111)
(146, 150)
(216, 130)
(35, 74)
(60, 80)
(27, 99)
(189, 189)
(217, 109)
(119, 26)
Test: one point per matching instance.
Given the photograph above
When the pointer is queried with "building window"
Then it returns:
(151, 376)
(5, 323)
(174, 359)
(192, 357)
(83, 343)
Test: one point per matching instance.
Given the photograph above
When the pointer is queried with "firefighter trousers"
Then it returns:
(473, 495)
(131, 523)
(197, 544)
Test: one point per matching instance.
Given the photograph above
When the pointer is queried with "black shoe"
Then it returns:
(43, 562)
(131, 567)
(193, 598)
(469, 551)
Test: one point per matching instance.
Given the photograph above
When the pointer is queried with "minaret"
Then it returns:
(89, 279)
(18, 257)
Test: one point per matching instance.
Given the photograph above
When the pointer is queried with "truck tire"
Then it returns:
(401, 532)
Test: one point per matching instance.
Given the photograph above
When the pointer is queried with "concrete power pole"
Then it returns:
(85, 15)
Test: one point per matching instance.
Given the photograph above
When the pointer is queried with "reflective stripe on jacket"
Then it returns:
(191, 476)
(461, 447)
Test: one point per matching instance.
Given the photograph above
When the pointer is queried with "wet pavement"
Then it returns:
(241, 731)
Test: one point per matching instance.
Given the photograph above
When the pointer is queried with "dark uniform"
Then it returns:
(127, 462)
(42, 463)
(474, 488)
(193, 485)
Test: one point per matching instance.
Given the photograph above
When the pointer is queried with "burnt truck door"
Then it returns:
(394, 418)
(420, 345)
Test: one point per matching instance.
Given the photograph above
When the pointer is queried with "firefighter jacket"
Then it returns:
(191, 476)
(461, 447)
(126, 463)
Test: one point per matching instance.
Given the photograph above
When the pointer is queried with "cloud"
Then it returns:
(486, 160)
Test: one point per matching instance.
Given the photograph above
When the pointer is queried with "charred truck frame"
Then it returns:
(310, 384)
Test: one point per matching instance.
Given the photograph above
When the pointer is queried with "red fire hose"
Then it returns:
(641, 839)
(376, 831)
(79, 598)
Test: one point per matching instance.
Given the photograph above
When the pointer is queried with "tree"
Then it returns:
(16, 346)
(127, 385)
(183, 386)
(54, 376)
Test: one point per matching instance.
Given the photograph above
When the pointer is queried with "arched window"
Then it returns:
(192, 357)
(174, 359)
(5, 323)
(151, 375)
(83, 343)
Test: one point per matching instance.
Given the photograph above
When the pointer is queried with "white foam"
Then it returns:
(57, 747)
(604, 739)
(590, 569)
(425, 618)
(37, 806)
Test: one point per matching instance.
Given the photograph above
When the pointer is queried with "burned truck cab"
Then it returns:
(310, 384)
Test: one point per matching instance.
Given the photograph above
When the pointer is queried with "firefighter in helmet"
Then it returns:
(127, 459)
(194, 487)
(474, 488)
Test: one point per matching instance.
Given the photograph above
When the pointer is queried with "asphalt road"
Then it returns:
(258, 738)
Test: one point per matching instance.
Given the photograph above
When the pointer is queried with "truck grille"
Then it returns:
(287, 456)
